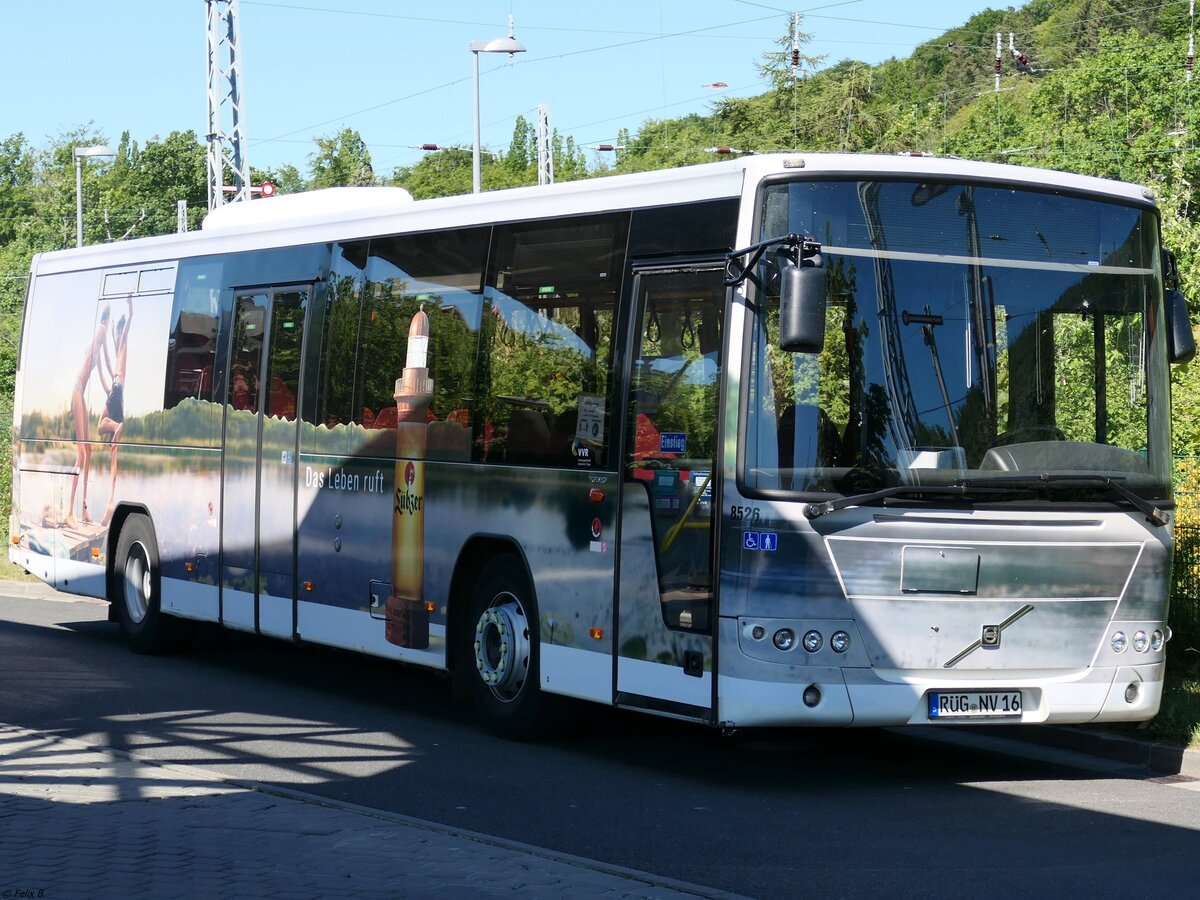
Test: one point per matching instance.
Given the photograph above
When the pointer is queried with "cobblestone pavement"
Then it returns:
(84, 821)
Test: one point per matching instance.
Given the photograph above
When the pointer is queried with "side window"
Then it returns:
(283, 364)
(431, 283)
(545, 373)
(192, 345)
(364, 315)
(334, 357)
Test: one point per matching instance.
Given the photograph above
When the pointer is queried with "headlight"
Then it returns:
(839, 641)
(1156, 640)
(813, 641)
(784, 639)
(1119, 642)
(1140, 641)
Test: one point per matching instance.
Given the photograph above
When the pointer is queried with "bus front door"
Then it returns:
(670, 491)
(258, 508)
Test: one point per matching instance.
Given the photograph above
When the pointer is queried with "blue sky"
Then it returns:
(400, 72)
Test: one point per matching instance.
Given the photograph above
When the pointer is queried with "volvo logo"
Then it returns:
(989, 638)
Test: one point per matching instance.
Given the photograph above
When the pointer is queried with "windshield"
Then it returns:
(972, 331)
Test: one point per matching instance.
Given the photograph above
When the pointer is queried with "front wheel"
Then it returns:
(498, 650)
(138, 591)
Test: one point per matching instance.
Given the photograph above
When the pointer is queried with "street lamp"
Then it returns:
(509, 45)
(80, 153)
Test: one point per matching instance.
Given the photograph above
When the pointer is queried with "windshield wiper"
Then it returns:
(1153, 514)
(997, 485)
(956, 489)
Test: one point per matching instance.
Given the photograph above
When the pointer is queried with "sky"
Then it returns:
(400, 73)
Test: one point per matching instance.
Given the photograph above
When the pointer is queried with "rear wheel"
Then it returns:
(498, 650)
(138, 591)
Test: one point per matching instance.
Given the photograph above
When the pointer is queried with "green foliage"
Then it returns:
(1182, 717)
(16, 179)
(445, 173)
(144, 183)
(287, 178)
(341, 161)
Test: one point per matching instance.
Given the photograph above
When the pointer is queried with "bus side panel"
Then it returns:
(95, 439)
(60, 330)
(567, 538)
(345, 559)
(180, 487)
(343, 565)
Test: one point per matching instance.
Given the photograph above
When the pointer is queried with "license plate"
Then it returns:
(974, 704)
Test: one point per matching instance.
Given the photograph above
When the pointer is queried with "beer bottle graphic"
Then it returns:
(407, 620)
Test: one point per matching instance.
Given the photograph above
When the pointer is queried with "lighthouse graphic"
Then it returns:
(407, 618)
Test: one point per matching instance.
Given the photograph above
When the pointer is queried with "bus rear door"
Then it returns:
(258, 518)
(670, 488)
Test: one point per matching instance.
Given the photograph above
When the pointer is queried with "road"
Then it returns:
(769, 814)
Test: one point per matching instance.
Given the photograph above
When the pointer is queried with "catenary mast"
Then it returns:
(226, 147)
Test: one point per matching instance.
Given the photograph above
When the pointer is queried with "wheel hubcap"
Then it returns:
(137, 584)
(502, 647)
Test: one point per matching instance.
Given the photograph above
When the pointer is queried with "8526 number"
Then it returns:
(744, 513)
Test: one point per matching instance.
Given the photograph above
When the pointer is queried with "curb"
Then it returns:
(39, 590)
(1157, 757)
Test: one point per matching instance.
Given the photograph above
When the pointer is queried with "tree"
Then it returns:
(341, 161)
(16, 184)
(443, 173)
(286, 178)
(788, 65)
(146, 185)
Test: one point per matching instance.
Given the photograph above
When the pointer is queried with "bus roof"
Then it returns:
(336, 214)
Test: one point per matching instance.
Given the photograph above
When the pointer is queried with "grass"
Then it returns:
(1178, 721)
(11, 572)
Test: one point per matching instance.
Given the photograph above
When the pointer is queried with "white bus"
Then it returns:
(796, 439)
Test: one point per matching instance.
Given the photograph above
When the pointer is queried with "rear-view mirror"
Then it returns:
(1182, 342)
(802, 299)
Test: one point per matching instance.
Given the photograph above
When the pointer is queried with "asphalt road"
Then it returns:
(768, 814)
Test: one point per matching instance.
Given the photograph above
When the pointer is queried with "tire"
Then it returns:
(137, 591)
(498, 651)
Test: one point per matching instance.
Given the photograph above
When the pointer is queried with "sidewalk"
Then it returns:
(83, 821)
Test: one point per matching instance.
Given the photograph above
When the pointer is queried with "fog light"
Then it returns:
(812, 695)
(839, 641)
(757, 633)
(813, 641)
(1131, 692)
(1119, 642)
(784, 639)
(1140, 641)
(1156, 640)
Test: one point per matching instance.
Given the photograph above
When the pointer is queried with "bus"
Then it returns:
(787, 440)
